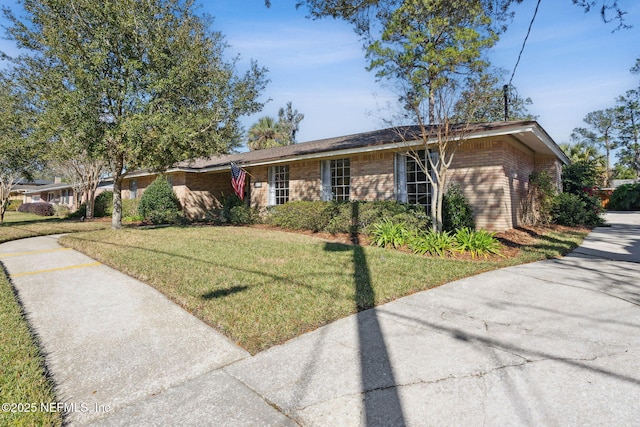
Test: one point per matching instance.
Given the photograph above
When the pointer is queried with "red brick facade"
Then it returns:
(492, 173)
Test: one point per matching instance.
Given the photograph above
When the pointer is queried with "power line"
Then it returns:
(524, 42)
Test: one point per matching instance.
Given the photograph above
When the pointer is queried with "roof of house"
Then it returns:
(49, 187)
(529, 133)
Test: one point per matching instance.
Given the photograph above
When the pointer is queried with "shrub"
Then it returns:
(580, 174)
(481, 242)
(625, 198)
(302, 215)
(579, 179)
(40, 208)
(14, 205)
(569, 209)
(387, 233)
(159, 204)
(433, 243)
(414, 217)
(539, 200)
(130, 210)
(61, 211)
(102, 205)
(243, 215)
(456, 210)
(346, 217)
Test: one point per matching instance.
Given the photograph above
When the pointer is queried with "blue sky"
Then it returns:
(573, 63)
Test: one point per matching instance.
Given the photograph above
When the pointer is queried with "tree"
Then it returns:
(628, 123)
(483, 100)
(19, 154)
(581, 151)
(83, 172)
(427, 51)
(148, 76)
(289, 119)
(267, 133)
(599, 134)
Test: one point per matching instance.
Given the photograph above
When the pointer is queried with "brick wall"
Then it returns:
(205, 191)
(372, 176)
(492, 173)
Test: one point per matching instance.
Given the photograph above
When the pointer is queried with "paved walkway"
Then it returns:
(555, 342)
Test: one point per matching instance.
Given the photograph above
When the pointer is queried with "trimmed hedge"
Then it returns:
(40, 208)
(346, 217)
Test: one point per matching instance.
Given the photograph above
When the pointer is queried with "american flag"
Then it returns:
(238, 176)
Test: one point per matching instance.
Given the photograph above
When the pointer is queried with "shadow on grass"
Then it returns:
(219, 293)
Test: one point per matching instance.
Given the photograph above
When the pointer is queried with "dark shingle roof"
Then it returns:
(360, 140)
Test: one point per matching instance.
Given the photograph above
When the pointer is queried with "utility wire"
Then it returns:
(524, 42)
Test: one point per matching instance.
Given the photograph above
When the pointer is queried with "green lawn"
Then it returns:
(263, 287)
(22, 377)
(18, 225)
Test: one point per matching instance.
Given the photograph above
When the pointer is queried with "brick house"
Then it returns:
(491, 166)
(56, 193)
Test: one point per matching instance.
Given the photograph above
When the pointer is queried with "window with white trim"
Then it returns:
(133, 189)
(336, 180)
(412, 183)
(278, 185)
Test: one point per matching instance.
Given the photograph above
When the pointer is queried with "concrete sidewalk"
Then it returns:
(555, 342)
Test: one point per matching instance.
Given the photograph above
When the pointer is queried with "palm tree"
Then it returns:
(267, 133)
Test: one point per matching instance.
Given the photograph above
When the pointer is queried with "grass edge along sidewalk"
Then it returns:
(25, 383)
(264, 287)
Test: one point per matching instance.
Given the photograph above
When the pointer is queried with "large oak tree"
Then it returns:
(146, 79)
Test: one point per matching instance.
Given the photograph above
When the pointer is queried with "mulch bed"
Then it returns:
(512, 240)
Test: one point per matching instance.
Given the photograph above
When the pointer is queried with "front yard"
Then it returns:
(263, 287)
(18, 225)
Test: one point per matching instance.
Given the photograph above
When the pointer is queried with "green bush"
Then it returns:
(542, 190)
(61, 211)
(569, 209)
(346, 217)
(14, 205)
(481, 242)
(579, 175)
(456, 210)
(302, 215)
(159, 204)
(387, 233)
(130, 210)
(243, 215)
(414, 217)
(102, 205)
(432, 243)
(625, 198)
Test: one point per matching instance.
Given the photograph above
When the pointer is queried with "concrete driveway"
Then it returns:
(555, 342)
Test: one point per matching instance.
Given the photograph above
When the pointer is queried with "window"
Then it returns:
(278, 185)
(65, 197)
(50, 197)
(412, 184)
(133, 189)
(336, 180)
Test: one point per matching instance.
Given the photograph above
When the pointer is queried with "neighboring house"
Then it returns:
(57, 193)
(492, 168)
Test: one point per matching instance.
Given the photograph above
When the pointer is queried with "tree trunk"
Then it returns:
(116, 216)
(91, 198)
(88, 205)
(118, 175)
